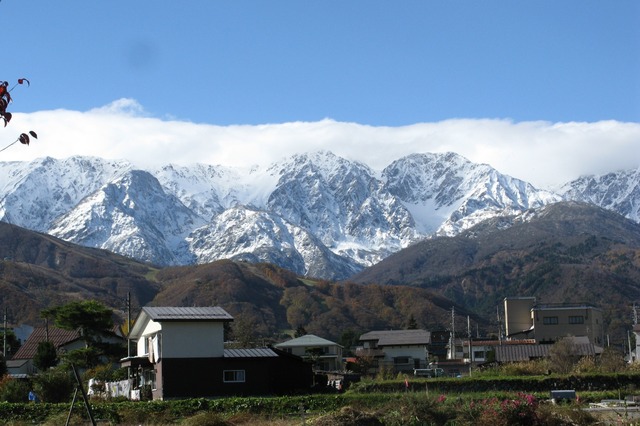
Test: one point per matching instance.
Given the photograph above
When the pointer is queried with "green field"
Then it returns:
(468, 401)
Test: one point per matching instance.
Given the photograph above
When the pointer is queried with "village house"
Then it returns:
(396, 350)
(21, 364)
(180, 354)
(324, 354)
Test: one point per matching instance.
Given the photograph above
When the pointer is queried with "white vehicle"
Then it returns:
(428, 372)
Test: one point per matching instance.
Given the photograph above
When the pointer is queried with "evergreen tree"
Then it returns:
(349, 340)
(13, 344)
(3, 366)
(90, 318)
(93, 321)
(46, 356)
(300, 331)
(412, 324)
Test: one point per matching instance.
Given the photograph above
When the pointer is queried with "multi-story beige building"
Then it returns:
(547, 323)
(551, 322)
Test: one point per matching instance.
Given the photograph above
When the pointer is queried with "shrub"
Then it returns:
(529, 368)
(585, 364)
(521, 410)
(54, 385)
(349, 417)
(206, 418)
(12, 390)
(61, 419)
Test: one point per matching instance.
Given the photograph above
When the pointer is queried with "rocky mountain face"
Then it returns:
(618, 191)
(315, 214)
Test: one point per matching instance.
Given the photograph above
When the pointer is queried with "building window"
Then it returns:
(149, 378)
(550, 320)
(233, 376)
(401, 360)
(576, 319)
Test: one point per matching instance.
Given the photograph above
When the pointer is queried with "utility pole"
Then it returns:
(4, 335)
(469, 337)
(128, 324)
(499, 325)
(453, 332)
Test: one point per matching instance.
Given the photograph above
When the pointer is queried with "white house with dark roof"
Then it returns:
(401, 350)
(325, 354)
(180, 354)
(63, 340)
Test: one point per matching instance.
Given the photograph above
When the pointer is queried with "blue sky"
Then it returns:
(371, 62)
(230, 65)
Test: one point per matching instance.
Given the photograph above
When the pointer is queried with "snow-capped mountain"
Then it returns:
(618, 191)
(132, 216)
(35, 194)
(316, 214)
(446, 193)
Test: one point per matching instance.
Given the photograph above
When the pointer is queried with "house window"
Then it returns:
(550, 320)
(401, 360)
(149, 378)
(576, 319)
(233, 376)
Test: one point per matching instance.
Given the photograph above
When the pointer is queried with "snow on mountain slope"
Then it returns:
(132, 216)
(257, 236)
(342, 203)
(317, 214)
(36, 193)
(618, 191)
(449, 193)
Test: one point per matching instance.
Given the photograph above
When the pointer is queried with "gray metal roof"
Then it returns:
(306, 340)
(398, 337)
(516, 353)
(250, 353)
(176, 313)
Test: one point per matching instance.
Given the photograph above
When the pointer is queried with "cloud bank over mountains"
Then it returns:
(542, 153)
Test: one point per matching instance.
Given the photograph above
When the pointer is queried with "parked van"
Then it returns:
(428, 372)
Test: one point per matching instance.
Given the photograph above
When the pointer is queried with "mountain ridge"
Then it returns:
(316, 214)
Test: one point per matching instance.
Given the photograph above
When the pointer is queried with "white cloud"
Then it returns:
(543, 153)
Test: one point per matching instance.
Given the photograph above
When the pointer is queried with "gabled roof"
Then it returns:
(306, 341)
(398, 337)
(177, 313)
(171, 313)
(57, 336)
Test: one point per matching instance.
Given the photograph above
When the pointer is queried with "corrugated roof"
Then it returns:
(250, 353)
(398, 337)
(306, 340)
(57, 336)
(515, 353)
(177, 313)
